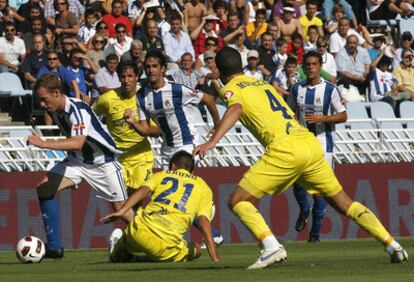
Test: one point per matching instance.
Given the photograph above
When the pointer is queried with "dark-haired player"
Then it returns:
(177, 198)
(293, 154)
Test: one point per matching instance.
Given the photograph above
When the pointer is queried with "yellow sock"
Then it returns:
(362, 216)
(252, 219)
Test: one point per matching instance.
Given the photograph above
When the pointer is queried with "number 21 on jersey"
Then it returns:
(276, 106)
(162, 198)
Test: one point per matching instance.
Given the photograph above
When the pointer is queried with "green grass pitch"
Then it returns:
(344, 260)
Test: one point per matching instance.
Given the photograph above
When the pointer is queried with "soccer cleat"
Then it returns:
(267, 258)
(218, 240)
(302, 220)
(54, 254)
(399, 255)
(314, 239)
(115, 236)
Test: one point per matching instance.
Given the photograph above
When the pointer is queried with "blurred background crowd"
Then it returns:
(83, 41)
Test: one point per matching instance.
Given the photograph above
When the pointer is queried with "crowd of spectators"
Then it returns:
(82, 42)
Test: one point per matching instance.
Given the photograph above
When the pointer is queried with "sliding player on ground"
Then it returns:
(177, 197)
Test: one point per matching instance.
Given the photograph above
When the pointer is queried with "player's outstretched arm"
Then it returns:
(205, 229)
(211, 106)
(74, 143)
(228, 121)
(134, 199)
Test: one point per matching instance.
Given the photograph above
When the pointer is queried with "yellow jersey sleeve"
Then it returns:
(206, 200)
(264, 112)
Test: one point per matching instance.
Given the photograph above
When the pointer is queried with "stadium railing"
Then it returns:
(356, 141)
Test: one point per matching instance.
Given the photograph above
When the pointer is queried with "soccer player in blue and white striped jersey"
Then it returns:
(91, 157)
(172, 106)
(318, 106)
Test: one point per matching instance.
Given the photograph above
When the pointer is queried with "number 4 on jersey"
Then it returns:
(276, 106)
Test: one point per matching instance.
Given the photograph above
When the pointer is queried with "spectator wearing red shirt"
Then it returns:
(116, 17)
(200, 34)
(295, 48)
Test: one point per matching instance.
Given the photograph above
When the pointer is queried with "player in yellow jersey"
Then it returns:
(177, 197)
(293, 154)
(137, 160)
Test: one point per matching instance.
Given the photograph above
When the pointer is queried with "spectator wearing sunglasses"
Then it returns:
(12, 50)
(121, 43)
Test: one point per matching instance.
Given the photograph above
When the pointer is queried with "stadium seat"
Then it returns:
(392, 131)
(13, 87)
(407, 112)
(364, 133)
(392, 22)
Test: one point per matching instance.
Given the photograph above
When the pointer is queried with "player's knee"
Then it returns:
(44, 189)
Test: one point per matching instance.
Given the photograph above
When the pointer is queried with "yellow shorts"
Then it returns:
(297, 158)
(156, 245)
(137, 169)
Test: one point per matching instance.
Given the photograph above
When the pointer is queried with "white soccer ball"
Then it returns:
(30, 249)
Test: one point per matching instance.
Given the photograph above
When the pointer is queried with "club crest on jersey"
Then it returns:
(167, 103)
(195, 92)
(318, 101)
(228, 94)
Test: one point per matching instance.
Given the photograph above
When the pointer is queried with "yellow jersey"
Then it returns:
(112, 106)
(265, 114)
(177, 198)
(306, 23)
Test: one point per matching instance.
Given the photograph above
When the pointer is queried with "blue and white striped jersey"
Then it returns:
(321, 99)
(78, 119)
(380, 84)
(173, 107)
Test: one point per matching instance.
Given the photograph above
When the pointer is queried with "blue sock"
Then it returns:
(214, 231)
(51, 219)
(318, 212)
(301, 197)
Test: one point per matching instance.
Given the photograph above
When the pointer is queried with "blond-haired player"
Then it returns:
(293, 154)
(177, 197)
(138, 158)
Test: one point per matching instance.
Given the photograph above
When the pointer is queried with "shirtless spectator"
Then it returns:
(288, 25)
(279, 4)
(194, 12)
(255, 29)
(338, 38)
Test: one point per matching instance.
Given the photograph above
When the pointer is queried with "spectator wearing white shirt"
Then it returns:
(328, 61)
(107, 78)
(176, 42)
(338, 38)
(239, 46)
(252, 63)
(12, 50)
(121, 43)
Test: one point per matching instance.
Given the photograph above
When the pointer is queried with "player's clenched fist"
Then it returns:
(129, 116)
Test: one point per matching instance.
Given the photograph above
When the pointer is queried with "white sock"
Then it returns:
(393, 246)
(270, 243)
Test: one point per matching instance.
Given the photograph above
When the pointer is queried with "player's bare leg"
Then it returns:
(46, 190)
(241, 203)
(367, 221)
